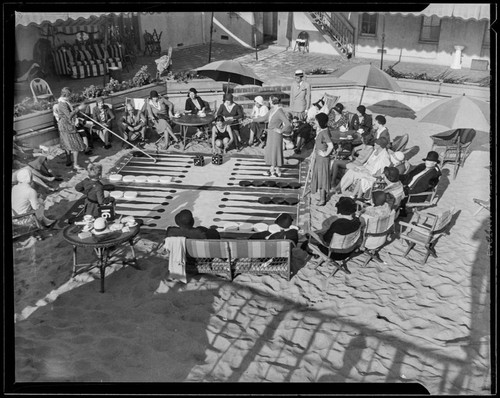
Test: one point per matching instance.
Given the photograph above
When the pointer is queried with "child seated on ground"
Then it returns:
(96, 192)
(222, 135)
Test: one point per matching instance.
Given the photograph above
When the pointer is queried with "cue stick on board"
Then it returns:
(104, 127)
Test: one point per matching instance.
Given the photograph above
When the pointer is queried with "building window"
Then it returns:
(368, 24)
(430, 29)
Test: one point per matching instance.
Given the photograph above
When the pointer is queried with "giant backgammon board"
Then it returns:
(235, 192)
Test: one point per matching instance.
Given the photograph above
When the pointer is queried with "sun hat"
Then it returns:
(259, 100)
(299, 72)
(382, 141)
(228, 97)
(338, 107)
(391, 173)
(100, 224)
(346, 206)
(284, 220)
(153, 94)
(398, 156)
(184, 219)
(193, 90)
(24, 175)
(432, 156)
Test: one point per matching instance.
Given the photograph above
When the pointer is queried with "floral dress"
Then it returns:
(70, 140)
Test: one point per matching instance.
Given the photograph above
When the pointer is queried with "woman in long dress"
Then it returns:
(71, 141)
(278, 124)
(323, 147)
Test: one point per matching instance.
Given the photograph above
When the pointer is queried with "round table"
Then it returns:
(101, 245)
(185, 121)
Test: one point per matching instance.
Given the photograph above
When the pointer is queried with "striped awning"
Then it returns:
(478, 12)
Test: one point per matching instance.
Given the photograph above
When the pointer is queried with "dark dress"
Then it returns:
(321, 172)
(191, 106)
(220, 135)
(94, 191)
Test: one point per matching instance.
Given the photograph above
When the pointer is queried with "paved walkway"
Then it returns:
(275, 65)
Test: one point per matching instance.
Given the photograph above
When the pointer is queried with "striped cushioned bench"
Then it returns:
(232, 257)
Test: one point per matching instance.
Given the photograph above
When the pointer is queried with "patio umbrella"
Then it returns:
(461, 112)
(230, 71)
(369, 76)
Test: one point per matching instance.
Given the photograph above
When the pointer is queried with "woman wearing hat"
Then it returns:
(278, 124)
(346, 223)
(323, 147)
(422, 178)
(25, 199)
(364, 119)
(71, 141)
(159, 111)
(257, 125)
(364, 176)
(336, 120)
(233, 114)
(398, 161)
(393, 187)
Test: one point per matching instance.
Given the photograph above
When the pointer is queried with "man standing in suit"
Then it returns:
(422, 178)
(300, 96)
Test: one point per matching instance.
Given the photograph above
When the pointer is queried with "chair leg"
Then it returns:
(410, 246)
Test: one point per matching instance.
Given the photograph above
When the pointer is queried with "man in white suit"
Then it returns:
(300, 96)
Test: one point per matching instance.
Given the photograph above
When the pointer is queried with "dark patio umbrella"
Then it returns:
(369, 76)
(392, 108)
(230, 71)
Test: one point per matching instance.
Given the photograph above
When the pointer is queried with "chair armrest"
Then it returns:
(314, 234)
(418, 228)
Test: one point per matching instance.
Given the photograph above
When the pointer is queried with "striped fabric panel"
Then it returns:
(259, 248)
(61, 63)
(379, 224)
(111, 62)
(99, 51)
(85, 56)
(88, 70)
(345, 241)
(115, 51)
(72, 29)
(206, 248)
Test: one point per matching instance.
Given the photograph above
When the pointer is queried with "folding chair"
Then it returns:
(425, 229)
(423, 199)
(24, 224)
(455, 146)
(40, 90)
(340, 244)
(377, 230)
(302, 42)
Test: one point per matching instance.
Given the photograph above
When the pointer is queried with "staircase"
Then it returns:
(336, 29)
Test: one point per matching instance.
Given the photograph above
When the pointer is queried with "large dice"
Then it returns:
(217, 159)
(199, 160)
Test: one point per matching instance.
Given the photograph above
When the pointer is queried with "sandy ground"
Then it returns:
(399, 321)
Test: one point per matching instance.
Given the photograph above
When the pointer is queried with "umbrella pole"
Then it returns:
(227, 88)
(362, 93)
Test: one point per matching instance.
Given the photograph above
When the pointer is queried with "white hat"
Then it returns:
(24, 175)
(399, 156)
(259, 100)
(299, 72)
(100, 224)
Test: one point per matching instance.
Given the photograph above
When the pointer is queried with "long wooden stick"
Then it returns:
(121, 138)
(309, 171)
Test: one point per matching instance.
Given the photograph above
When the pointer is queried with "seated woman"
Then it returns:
(284, 230)
(159, 111)
(365, 120)
(222, 136)
(359, 157)
(257, 128)
(233, 114)
(346, 223)
(25, 199)
(133, 125)
(194, 105)
(398, 161)
(302, 133)
(96, 193)
(105, 116)
(364, 176)
(393, 187)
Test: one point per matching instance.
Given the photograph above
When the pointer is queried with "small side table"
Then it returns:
(101, 248)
